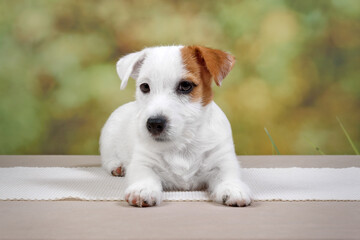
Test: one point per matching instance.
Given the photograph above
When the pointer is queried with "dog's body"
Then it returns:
(173, 137)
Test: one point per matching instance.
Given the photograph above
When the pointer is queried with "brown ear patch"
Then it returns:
(203, 64)
(218, 63)
(197, 74)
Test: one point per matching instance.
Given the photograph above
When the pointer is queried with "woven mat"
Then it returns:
(93, 183)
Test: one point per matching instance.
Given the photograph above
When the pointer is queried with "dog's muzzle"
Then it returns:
(156, 125)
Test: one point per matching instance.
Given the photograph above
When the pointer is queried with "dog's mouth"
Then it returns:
(161, 139)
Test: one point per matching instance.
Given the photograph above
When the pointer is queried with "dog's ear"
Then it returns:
(217, 62)
(129, 66)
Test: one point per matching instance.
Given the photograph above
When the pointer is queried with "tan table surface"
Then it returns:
(180, 220)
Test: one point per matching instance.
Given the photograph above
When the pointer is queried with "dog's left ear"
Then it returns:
(129, 66)
(217, 62)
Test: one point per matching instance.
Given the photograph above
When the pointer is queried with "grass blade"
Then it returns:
(348, 137)
(316, 147)
(272, 142)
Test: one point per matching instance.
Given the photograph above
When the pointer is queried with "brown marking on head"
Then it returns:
(204, 64)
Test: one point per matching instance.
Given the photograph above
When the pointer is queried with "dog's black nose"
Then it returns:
(156, 125)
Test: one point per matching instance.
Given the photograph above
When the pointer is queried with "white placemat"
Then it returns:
(93, 183)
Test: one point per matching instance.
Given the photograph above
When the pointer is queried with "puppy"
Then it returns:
(173, 137)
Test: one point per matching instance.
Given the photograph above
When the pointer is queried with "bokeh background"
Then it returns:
(297, 68)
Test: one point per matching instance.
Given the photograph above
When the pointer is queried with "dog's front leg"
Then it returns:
(226, 186)
(144, 189)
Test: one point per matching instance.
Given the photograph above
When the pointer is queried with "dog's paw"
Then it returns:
(235, 194)
(143, 195)
(114, 167)
(118, 172)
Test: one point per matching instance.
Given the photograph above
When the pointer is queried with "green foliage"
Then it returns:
(274, 147)
(317, 148)
(297, 68)
(348, 137)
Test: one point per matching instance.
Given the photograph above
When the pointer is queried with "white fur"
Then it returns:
(199, 152)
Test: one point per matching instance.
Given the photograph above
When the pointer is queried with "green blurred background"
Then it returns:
(297, 68)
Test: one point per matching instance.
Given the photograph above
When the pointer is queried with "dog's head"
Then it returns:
(173, 88)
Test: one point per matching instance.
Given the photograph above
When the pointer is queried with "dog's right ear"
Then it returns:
(129, 66)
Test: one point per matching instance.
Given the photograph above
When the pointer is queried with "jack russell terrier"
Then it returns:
(174, 136)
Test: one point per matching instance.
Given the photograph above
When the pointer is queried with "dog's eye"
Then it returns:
(144, 87)
(185, 87)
